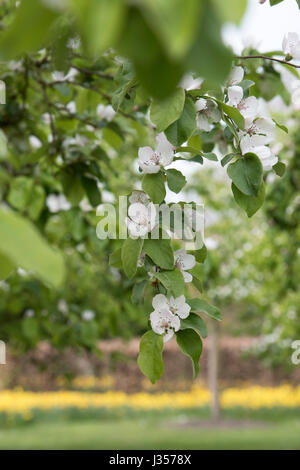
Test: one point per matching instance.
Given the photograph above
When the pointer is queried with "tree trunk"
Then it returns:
(213, 371)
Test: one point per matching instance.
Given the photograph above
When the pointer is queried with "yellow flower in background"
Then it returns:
(22, 402)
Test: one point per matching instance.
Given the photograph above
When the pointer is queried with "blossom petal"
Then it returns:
(248, 108)
(163, 145)
(236, 76)
(187, 276)
(200, 104)
(155, 320)
(168, 335)
(203, 123)
(145, 154)
(235, 95)
(189, 261)
(184, 311)
(160, 301)
(139, 213)
(266, 128)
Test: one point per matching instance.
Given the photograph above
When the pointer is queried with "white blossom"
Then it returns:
(176, 306)
(236, 76)
(248, 107)
(165, 319)
(141, 219)
(139, 196)
(184, 262)
(105, 112)
(255, 144)
(88, 315)
(262, 127)
(235, 95)
(29, 313)
(190, 83)
(150, 161)
(291, 45)
(164, 322)
(57, 203)
(77, 140)
(62, 306)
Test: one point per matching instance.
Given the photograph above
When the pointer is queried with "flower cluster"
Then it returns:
(165, 319)
(259, 131)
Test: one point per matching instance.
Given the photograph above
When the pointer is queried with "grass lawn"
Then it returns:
(149, 434)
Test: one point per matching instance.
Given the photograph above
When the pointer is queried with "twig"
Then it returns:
(92, 72)
(285, 62)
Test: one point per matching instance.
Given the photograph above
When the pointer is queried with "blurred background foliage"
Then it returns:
(60, 158)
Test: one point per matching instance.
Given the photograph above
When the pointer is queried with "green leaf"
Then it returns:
(6, 266)
(160, 251)
(246, 84)
(175, 22)
(150, 357)
(158, 73)
(30, 329)
(247, 174)
(200, 305)
(195, 142)
(115, 259)
(198, 284)
(279, 168)
(20, 192)
(24, 247)
(201, 254)
(275, 2)
(173, 281)
(101, 22)
(281, 126)
(36, 202)
(154, 186)
(3, 146)
(131, 251)
(165, 112)
(208, 56)
(191, 345)
(176, 180)
(138, 292)
(22, 36)
(231, 11)
(197, 271)
(196, 159)
(91, 190)
(250, 204)
(180, 131)
(72, 187)
(210, 156)
(233, 114)
(195, 322)
(228, 158)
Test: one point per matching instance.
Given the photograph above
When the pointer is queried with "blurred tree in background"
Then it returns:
(80, 77)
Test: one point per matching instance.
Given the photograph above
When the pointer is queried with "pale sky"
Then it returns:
(265, 24)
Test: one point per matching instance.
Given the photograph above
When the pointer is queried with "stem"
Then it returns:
(285, 62)
(213, 363)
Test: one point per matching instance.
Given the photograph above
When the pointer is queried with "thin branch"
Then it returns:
(285, 62)
(92, 72)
